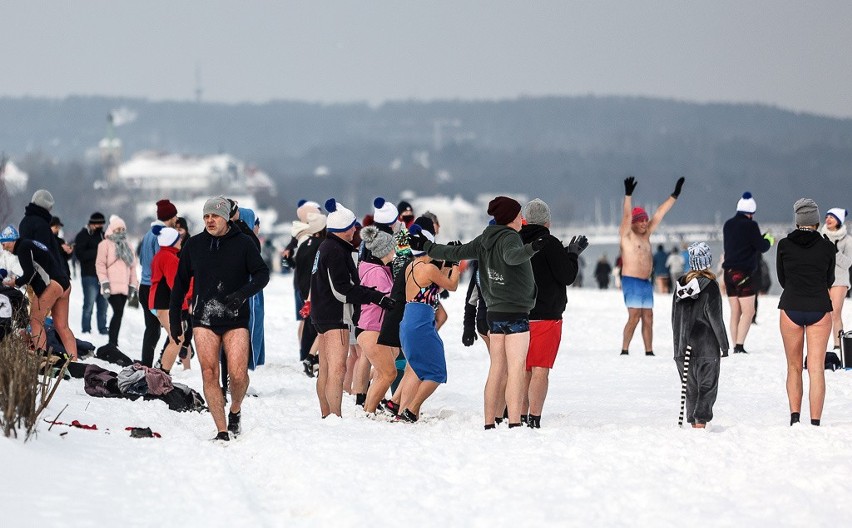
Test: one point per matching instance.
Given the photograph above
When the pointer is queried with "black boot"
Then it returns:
(534, 421)
(234, 423)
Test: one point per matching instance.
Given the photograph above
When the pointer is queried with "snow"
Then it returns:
(609, 451)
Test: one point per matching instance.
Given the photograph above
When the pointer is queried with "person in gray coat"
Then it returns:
(697, 323)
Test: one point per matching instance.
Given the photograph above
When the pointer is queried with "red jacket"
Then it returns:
(164, 266)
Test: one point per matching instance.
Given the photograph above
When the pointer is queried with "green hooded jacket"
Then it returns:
(505, 272)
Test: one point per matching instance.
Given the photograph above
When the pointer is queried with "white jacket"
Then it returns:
(843, 259)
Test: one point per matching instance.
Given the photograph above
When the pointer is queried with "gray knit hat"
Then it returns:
(43, 198)
(700, 256)
(218, 206)
(378, 242)
(537, 212)
(807, 212)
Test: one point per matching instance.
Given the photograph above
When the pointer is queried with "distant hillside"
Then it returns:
(572, 151)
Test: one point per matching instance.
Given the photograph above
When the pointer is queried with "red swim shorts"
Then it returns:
(545, 337)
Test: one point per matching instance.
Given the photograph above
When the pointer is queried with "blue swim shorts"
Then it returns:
(638, 293)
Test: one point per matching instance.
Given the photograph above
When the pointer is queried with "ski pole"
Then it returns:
(683, 385)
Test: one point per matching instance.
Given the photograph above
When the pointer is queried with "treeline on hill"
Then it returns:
(572, 151)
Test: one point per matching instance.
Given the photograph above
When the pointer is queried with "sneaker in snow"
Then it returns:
(234, 423)
(223, 436)
(406, 417)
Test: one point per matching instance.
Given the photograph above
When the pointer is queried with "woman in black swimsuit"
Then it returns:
(805, 265)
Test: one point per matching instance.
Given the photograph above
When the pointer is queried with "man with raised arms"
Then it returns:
(637, 263)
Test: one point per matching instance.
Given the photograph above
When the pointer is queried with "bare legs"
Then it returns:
(383, 360)
(538, 383)
(60, 323)
(506, 375)
(794, 338)
(634, 315)
(742, 314)
(333, 347)
(52, 300)
(172, 347)
(208, 344)
(837, 294)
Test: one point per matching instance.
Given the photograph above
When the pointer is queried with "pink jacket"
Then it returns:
(378, 277)
(113, 270)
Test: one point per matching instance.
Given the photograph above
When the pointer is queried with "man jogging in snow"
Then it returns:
(637, 264)
(227, 269)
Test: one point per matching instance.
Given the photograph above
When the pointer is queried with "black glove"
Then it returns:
(678, 186)
(387, 303)
(416, 239)
(538, 244)
(578, 244)
(469, 336)
(175, 328)
(233, 301)
(133, 298)
(629, 185)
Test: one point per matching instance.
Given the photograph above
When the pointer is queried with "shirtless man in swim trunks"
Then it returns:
(637, 263)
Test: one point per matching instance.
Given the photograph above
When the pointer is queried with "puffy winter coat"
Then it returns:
(378, 276)
(113, 270)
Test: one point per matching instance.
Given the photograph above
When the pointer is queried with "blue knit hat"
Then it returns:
(700, 257)
(9, 234)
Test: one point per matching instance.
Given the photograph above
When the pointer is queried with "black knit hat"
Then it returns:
(97, 218)
(504, 209)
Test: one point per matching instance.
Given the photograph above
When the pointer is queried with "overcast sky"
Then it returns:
(793, 54)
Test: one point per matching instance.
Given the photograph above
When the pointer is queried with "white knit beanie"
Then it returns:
(384, 212)
(746, 204)
(339, 217)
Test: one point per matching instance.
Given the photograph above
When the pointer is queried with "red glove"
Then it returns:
(306, 310)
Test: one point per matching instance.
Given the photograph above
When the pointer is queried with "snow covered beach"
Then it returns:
(609, 451)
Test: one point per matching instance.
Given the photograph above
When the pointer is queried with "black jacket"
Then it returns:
(805, 264)
(335, 287)
(65, 257)
(36, 226)
(39, 266)
(475, 311)
(697, 318)
(743, 244)
(304, 264)
(554, 269)
(86, 249)
(220, 266)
